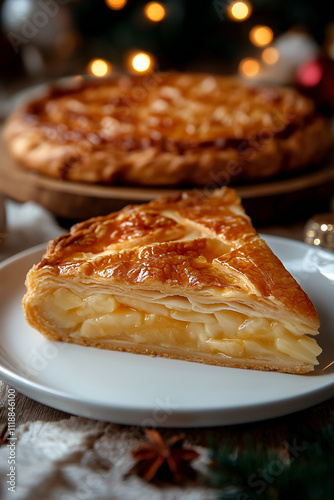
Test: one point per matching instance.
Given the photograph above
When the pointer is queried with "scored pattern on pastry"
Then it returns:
(185, 277)
(167, 129)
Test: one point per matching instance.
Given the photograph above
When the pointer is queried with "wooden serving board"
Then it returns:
(79, 201)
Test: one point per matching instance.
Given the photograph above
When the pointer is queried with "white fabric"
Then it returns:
(28, 224)
(81, 459)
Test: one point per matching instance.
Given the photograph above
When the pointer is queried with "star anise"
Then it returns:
(168, 461)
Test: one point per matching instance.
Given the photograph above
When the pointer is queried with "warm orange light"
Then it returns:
(239, 11)
(116, 4)
(155, 11)
(261, 35)
(249, 67)
(270, 55)
(141, 62)
(99, 67)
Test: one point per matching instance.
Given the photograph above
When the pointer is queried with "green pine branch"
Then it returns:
(303, 469)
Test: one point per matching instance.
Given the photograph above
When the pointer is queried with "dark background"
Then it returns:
(195, 34)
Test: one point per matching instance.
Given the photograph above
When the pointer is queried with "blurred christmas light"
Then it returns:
(249, 67)
(310, 74)
(261, 35)
(140, 62)
(155, 11)
(239, 11)
(270, 55)
(116, 4)
(99, 67)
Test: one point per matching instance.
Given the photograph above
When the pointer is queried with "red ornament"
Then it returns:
(316, 80)
(310, 73)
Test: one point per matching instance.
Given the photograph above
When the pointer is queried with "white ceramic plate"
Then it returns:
(142, 390)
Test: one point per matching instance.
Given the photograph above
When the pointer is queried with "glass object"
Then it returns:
(319, 231)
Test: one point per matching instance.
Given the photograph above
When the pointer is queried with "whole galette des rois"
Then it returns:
(167, 129)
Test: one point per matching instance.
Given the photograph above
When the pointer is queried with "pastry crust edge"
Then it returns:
(274, 155)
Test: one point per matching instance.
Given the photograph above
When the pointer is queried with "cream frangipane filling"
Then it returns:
(104, 317)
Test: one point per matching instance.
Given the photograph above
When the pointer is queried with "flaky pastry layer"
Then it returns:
(167, 129)
(187, 277)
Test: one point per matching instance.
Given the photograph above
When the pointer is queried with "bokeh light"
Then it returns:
(141, 62)
(116, 4)
(239, 11)
(261, 35)
(155, 11)
(270, 55)
(99, 67)
(249, 67)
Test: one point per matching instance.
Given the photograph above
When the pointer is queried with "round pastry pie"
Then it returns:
(167, 129)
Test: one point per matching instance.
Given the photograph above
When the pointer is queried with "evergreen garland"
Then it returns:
(302, 470)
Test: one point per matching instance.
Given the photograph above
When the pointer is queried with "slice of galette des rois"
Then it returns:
(183, 277)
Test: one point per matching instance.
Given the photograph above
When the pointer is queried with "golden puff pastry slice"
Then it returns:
(167, 129)
(183, 277)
